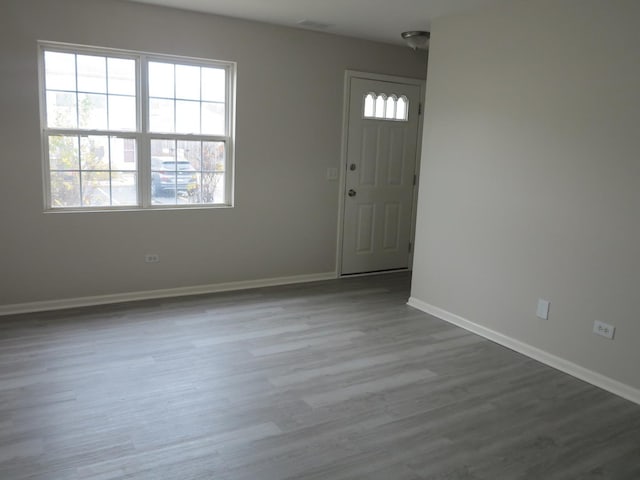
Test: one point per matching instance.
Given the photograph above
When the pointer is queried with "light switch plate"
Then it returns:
(543, 309)
(332, 173)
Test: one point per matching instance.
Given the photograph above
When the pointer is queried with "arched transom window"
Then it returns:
(386, 107)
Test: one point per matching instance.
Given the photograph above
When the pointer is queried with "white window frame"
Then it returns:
(142, 135)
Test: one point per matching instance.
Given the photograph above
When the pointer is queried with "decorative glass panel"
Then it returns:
(390, 107)
(369, 105)
(401, 109)
(382, 107)
(380, 102)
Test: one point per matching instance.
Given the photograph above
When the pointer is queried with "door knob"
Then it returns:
(351, 193)
(352, 167)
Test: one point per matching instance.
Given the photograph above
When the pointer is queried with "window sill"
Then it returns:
(161, 208)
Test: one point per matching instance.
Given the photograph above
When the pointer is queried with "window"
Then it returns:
(130, 130)
(383, 107)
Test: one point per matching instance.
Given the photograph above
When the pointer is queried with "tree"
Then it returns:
(71, 156)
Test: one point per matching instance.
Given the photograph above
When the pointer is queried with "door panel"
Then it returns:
(369, 156)
(366, 216)
(395, 169)
(392, 216)
(381, 156)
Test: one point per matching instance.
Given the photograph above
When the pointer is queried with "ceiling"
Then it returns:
(381, 20)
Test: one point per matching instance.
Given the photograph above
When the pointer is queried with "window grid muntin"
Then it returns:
(177, 156)
(81, 171)
(77, 91)
(142, 135)
(175, 99)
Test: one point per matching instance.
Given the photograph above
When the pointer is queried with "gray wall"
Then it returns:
(530, 180)
(286, 214)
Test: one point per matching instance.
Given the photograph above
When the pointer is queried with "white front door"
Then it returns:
(382, 136)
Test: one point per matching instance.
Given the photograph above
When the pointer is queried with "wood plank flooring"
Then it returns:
(331, 380)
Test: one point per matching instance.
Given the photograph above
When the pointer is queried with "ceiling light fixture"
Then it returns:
(417, 39)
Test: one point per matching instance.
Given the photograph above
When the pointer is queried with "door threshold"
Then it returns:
(374, 272)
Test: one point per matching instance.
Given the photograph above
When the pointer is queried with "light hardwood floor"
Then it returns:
(332, 380)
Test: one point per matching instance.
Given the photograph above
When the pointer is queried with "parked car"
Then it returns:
(169, 175)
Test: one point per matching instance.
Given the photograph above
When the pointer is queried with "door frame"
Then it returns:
(349, 75)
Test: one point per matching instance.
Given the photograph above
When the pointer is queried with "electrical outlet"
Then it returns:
(604, 329)
(152, 258)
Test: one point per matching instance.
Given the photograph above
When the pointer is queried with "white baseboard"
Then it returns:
(618, 388)
(164, 293)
